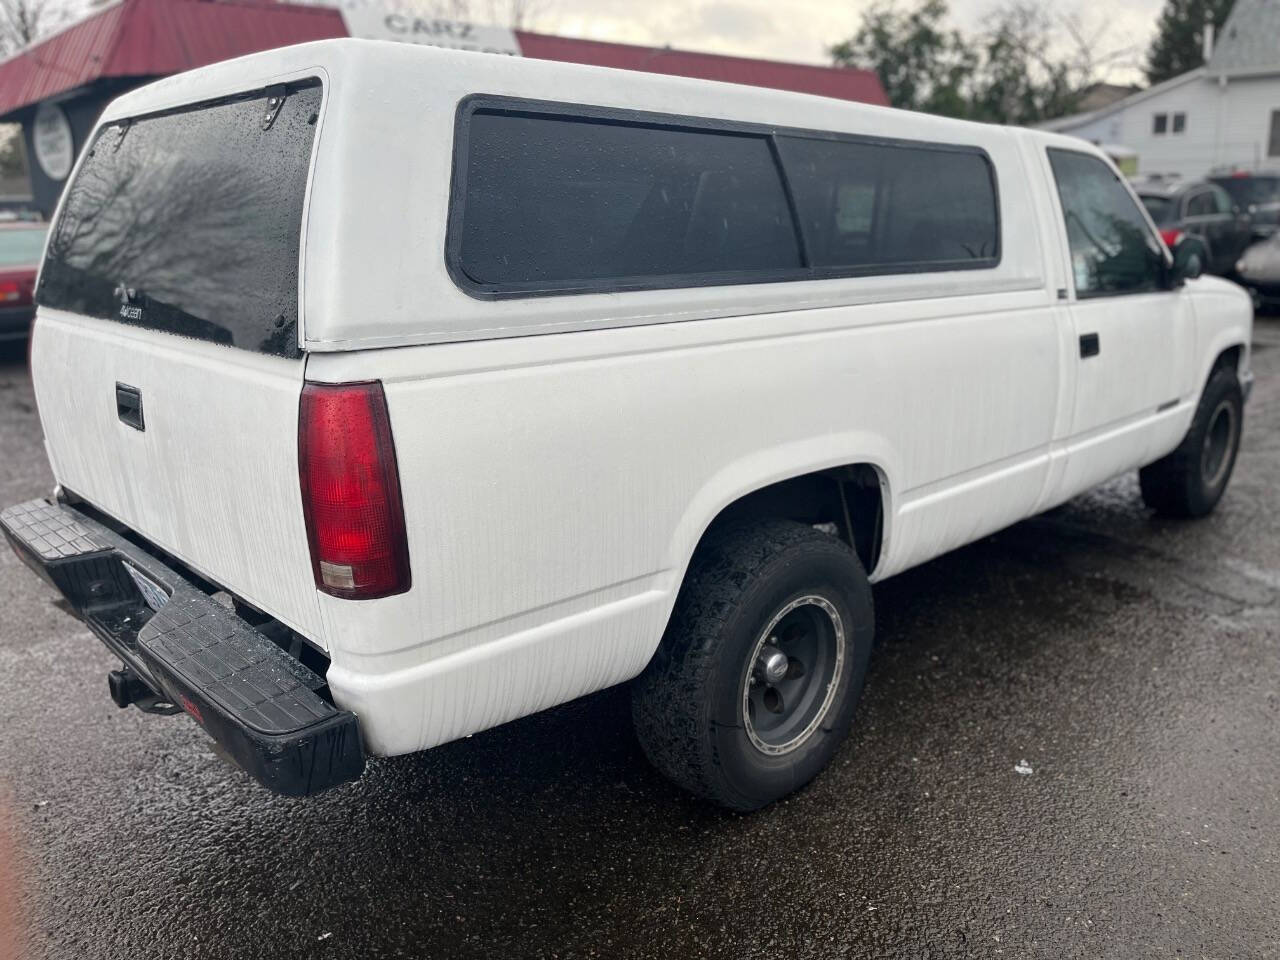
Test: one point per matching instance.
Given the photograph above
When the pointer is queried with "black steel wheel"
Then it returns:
(755, 682)
(793, 674)
(1190, 481)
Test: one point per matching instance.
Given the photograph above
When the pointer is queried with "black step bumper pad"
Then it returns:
(262, 706)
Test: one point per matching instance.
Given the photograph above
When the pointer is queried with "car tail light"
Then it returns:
(1171, 236)
(351, 491)
(10, 291)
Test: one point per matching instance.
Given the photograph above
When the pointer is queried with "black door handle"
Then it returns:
(1090, 346)
(129, 406)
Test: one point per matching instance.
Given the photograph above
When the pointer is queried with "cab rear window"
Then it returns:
(875, 207)
(189, 221)
(1162, 209)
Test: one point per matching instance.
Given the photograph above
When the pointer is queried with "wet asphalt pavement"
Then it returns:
(1133, 664)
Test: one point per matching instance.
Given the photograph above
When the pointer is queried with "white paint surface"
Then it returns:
(555, 486)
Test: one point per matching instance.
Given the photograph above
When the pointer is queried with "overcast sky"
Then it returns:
(801, 30)
(797, 30)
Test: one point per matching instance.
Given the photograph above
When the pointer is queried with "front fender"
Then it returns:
(1224, 319)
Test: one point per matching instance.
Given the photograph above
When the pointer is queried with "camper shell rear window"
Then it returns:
(189, 221)
(554, 198)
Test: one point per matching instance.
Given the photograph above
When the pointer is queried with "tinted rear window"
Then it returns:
(554, 202)
(548, 200)
(1247, 190)
(189, 222)
(871, 205)
(1162, 209)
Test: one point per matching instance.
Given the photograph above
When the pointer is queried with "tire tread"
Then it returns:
(1170, 486)
(671, 702)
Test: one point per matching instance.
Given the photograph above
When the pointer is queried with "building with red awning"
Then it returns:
(57, 87)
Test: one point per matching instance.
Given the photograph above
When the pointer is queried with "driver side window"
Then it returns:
(1113, 251)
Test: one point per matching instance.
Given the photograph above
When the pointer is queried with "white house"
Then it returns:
(1225, 114)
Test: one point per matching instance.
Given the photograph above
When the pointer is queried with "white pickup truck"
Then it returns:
(394, 393)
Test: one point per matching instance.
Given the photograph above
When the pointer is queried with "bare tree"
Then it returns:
(518, 14)
(13, 163)
(1029, 61)
(23, 21)
(1089, 42)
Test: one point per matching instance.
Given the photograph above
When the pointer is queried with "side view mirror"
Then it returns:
(1188, 260)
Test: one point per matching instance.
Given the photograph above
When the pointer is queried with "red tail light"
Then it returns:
(351, 491)
(11, 291)
(1170, 236)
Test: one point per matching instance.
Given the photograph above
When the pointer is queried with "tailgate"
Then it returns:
(213, 476)
(166, 356)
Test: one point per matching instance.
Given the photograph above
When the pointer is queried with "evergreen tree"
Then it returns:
(1179, 42)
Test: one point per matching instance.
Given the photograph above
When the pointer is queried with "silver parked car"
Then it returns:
(1259, 270)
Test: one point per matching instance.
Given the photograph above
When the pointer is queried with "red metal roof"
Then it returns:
(147, 38)
(139, 38)
(842, 83)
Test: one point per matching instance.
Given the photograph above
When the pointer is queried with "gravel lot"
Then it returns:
(1133, 664)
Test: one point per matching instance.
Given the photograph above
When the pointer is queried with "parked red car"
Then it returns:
(21, 246)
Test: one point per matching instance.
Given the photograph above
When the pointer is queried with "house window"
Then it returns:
(1179, 122)
(1273, 143)
(1161, 124)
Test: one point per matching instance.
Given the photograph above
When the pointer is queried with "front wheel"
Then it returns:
(1190, 481)
(756, 679)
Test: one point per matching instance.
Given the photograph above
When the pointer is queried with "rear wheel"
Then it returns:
(756, 680)
(1190, 481)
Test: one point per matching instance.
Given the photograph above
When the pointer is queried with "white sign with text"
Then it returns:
(371, 23)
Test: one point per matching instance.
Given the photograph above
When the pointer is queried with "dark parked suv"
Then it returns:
(1201, 210)
(1257, 194)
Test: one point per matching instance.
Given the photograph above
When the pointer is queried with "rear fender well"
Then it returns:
(764, 468)
(1229, 358)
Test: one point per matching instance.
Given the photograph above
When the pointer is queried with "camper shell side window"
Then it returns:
(554, 199)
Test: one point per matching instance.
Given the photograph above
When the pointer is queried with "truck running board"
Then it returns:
(262, 706)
